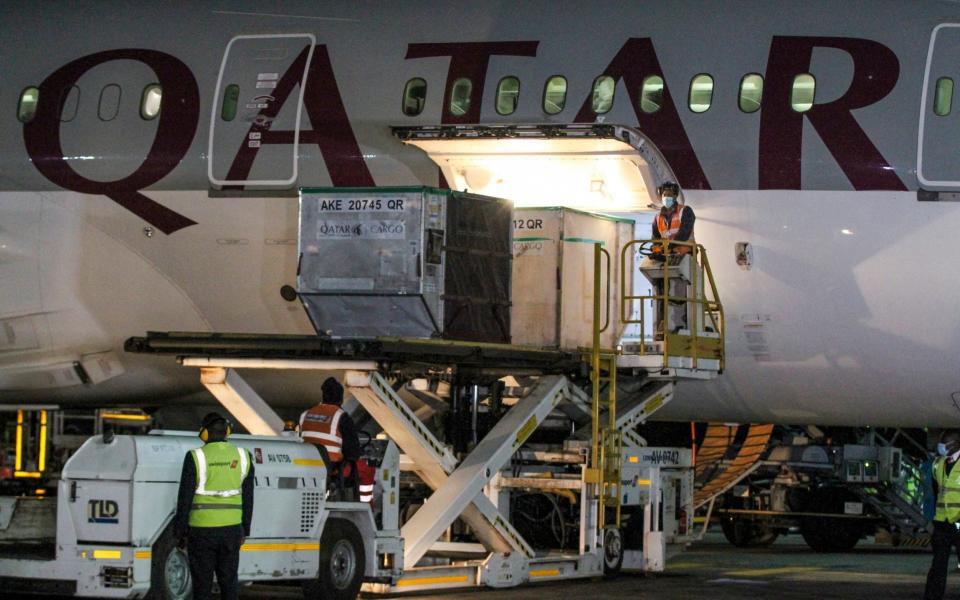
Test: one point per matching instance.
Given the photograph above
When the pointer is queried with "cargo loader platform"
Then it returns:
(388, 353)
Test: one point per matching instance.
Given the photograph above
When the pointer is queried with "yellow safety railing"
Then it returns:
(709, 308)
(606, 450)
(40, 438)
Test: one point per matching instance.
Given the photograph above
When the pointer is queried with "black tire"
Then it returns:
(744, 532)
(612, 550)
(828, 534)
(169, 570)
(342, 563)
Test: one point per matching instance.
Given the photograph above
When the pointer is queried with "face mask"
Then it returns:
(942, 449)
(668, 202)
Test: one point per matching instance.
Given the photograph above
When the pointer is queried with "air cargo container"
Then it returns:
(405, 262)
(553, 276)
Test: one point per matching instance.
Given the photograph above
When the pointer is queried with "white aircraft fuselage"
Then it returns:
(109, 228)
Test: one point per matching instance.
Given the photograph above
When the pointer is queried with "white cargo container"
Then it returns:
(553, 276)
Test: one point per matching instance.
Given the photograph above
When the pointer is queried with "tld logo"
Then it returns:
(102, 511)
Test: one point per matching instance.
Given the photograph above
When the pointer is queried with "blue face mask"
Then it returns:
(669, 202)
(942, 449)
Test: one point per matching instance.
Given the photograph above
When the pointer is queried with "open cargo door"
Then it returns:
(593, 167)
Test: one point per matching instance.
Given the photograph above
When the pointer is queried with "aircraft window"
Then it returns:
(69, 102)
(943, 97)
(150, 101)
(109, 104)
(651, 94)
(414, 96)
(508, 94)
(555, 94)
(603, 90)
(751, 92)
(27, 107)
(803, 92)
(460, 96)
(228, 111)
(701, 93)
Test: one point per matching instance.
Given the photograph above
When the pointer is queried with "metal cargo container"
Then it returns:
(553, 276)
(405, 262)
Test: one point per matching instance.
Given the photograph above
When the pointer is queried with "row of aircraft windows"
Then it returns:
(108, 106)
(700, 96)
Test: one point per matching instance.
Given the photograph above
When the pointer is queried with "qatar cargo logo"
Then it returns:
(386, 229)
(102, 511)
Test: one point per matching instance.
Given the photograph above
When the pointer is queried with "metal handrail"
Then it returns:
(708, 308)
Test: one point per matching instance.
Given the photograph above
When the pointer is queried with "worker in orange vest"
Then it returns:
(674, 222)
(328, 425)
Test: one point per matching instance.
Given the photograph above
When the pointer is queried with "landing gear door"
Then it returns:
(259, 94)
(937, 146)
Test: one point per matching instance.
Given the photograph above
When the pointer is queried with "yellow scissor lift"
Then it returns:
(695, 351)
(605, 466)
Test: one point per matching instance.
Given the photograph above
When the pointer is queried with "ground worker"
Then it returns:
(214, 509)
(329, 426)
(946, 519)
(675, 223)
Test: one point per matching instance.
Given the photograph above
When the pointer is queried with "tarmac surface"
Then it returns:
(713, 569)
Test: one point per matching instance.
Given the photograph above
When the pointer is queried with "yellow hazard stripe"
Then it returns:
(545, 573)
(432, 580)
(279, 547)
(143, 554)
(125, 416)
(308, 462)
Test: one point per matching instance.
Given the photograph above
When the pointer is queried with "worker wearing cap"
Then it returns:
(946, 518)
(329, 426)
(214, 509)
(674, 222)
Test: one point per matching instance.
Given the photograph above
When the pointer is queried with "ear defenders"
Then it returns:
(210, 420)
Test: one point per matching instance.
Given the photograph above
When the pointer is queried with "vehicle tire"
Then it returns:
(747, 533)
(169, 570)
(612, 550)
(827, 534)
(342, 563)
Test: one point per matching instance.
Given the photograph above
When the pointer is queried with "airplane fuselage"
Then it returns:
(109, 227)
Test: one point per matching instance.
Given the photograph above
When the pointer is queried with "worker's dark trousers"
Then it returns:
(215, 549)
(945, 537)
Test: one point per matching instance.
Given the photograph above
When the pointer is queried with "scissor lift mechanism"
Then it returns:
(472, 489)
(468, 489)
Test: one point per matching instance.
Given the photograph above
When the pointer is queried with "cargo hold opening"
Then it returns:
(600, 168)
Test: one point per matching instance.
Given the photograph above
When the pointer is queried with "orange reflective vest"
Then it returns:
(669, 231)
(320, 426)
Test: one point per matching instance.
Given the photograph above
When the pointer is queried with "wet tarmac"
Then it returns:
(713, 569)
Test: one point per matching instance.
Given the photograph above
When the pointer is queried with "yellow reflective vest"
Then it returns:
(218, 500)
(948, 492)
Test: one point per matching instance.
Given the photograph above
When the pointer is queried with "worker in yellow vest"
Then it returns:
(214, 509)
(946, 518)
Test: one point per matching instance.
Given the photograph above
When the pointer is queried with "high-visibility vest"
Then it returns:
(669, 231)
(367, 475)
(221, 469)
(948, 497)
(321, 426)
